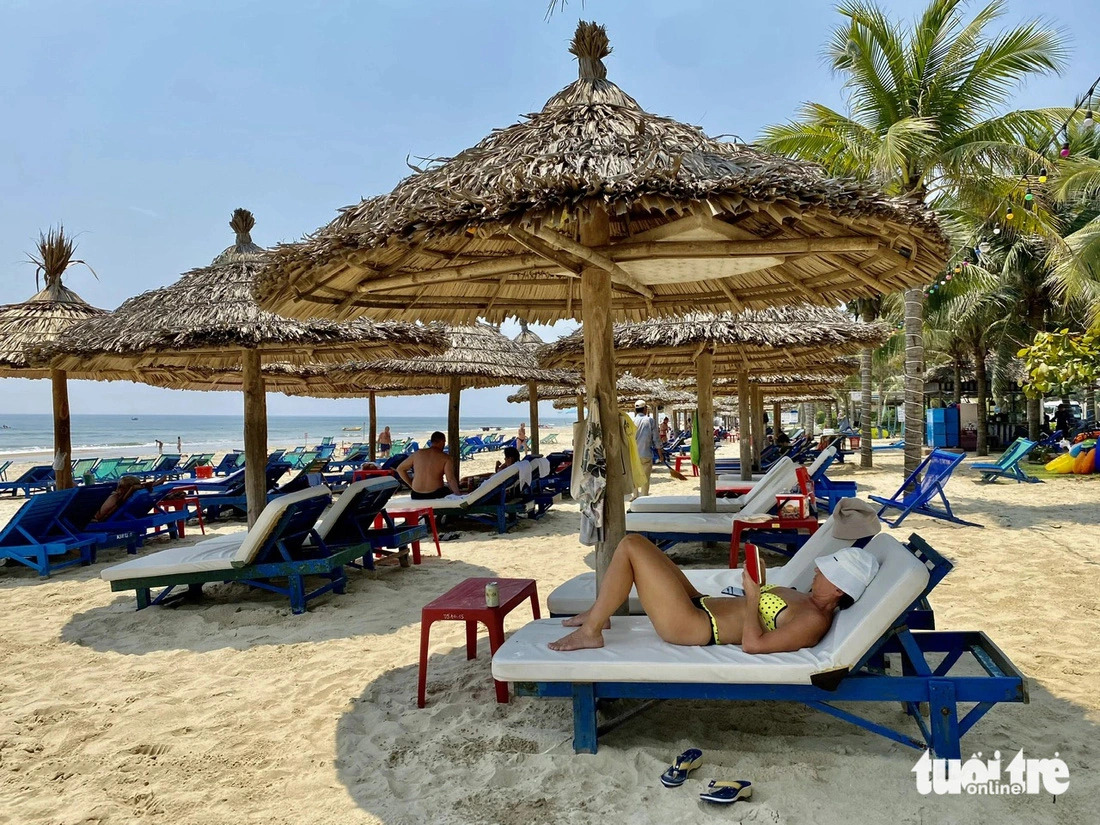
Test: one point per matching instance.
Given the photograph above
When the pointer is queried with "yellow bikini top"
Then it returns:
(771, 605)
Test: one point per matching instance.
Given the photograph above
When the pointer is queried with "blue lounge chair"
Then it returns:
(228, 493)
(35, 479)
(848, 665)
(4, 470)
(894, 445)
(229, 463)
(37, 538)
(294, 537)
(144, 511)
(77, 514)
(1051, 440)
(934, 473)
(1008, 465)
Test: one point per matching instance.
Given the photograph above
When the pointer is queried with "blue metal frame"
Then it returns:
(868, 681)
(937, 469)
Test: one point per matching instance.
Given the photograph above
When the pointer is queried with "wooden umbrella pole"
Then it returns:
(744, 411)
(580, 412)
(757, 426)
(533, 393)
(454, 439)
(372, 409)
(599, 375)
(708, 478)
(777, 414)
(255, 435)
(62, 429)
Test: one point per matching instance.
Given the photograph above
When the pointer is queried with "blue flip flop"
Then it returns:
(678, 771)
(727, 791)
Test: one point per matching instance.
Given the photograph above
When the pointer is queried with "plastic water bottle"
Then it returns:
(492, 594)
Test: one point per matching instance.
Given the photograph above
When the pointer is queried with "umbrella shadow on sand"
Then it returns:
(233, 615)
(466, 757)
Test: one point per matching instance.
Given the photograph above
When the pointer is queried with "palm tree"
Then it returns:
(923, 117)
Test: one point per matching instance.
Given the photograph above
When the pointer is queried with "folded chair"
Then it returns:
(848, 665)
(1008, 465)
(37, 537)
(549, 438)
(934, 473)
(34, 479)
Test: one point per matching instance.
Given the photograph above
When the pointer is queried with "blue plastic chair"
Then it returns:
(37, 538)
(1008, 465)
(933, 474)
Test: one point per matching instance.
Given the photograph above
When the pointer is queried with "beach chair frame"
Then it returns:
(934, 472)
(39, 478)
(37, 538)
(922, 684)
(1008, 465)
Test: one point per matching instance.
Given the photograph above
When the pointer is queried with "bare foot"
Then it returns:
(579, 639)
(581, 618)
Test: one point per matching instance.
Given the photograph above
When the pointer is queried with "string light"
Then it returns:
(1009, 215)
(1088, 122)
(1043, 175)
(1065, 150)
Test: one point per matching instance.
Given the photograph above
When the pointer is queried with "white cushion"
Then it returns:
(634, 653)
(216, 553)
(333, 513)
(781, 478)
(453, 502)
(708, 526)
(733, 479)
(578, 593)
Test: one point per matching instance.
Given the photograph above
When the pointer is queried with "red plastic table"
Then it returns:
(680, 462)
(177, 503)
(465, 602)
(413, 515)
(773, 523)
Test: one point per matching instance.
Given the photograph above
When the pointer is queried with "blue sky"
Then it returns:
(142, 125)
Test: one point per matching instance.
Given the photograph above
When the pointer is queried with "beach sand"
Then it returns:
(235, 711)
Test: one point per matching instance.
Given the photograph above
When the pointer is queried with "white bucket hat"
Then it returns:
(639, 404)
(850, 569)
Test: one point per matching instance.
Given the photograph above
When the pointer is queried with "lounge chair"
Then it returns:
(934, 473)
(200, 460)
(1008, 465)
(893, 445)
(229, 492)
(779, 479)
(848, 665)
(34, 479)
(105, 470)
(293, 538)
(76, 517)
(144, 511)
(349, 523)
(496, 501)
(81, 466)
(37, 537)
(229, 463)
(549, 438)
(4, 470)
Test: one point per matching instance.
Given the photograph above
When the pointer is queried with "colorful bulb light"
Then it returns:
(1065, 150)
(1088, 122)
(1042, 176)
(1009, 215)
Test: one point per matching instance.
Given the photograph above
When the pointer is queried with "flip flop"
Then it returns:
(678, 771)
(726, 791)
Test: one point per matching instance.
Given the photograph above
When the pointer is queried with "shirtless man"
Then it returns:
(432, 474)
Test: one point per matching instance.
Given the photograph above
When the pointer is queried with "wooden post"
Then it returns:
(599, 376)
(708, 478)
(62, 429)
(757, 401)
(777, 415)
(255, 435)
(372, 443)
(454, 439)
(744, 412)
(533, 392)
(580, 412)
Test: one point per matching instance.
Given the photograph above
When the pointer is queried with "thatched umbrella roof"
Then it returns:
(526, 337)
(628, 388)
(45, 317)
(762, 341)
(695, 221)
(209, 315)
(478, 354)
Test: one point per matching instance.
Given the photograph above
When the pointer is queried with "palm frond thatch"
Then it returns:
(494, 228)
(209, 315)
(628, 388)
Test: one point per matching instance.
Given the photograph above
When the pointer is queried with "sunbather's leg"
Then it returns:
(663, 589)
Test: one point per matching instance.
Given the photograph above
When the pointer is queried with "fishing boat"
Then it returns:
(352, 429)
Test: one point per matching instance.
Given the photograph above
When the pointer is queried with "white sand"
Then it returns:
(233, 710)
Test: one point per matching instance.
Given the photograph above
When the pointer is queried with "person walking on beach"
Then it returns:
(160, 446)
(432, 470)
(521, 438)
(645, 436)
(179, 445)
(385, 441)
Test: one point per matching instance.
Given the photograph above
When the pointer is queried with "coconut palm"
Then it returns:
(924, 116)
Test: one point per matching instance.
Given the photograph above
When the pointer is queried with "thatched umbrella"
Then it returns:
(208, 319)
(478, 356)
(729, 345)
(628, 389)
(532, 341)
(43, 318)
(595, 209)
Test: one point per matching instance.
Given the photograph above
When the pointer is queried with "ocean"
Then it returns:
(124, 435)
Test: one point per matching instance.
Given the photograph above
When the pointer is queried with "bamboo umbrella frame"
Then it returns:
(595, 209)
(209, 319)
(531, 340)
(727, 345)
(44, 317)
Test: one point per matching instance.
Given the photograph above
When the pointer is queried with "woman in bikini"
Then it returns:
(766, 619)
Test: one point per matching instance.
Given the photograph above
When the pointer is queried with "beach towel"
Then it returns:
(589, 493)
(525, 474)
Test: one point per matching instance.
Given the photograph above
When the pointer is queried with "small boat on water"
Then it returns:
(352, 429)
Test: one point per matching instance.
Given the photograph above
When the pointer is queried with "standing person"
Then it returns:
(160, 446)
(521, 438)
(179, 445)
(432, 470)
(665, 431)
(385, 441)
(1063, 419)
(645, 436)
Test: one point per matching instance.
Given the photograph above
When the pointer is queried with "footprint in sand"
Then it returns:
(149, 750)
